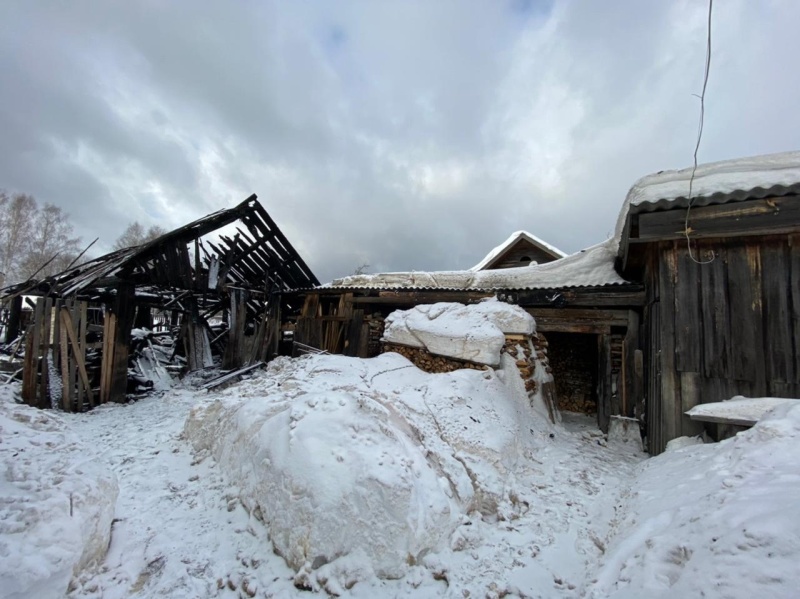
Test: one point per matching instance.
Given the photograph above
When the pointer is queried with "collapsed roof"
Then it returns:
(213, 253)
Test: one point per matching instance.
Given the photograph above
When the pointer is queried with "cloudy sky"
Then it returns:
(411, 135)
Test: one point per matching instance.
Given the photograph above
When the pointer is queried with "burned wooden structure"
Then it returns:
(721, 315)
(215, 282)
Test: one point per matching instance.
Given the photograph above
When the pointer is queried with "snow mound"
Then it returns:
(744, 411)
(713, 520)
(475, 333)
(56, 506)
(361, 466)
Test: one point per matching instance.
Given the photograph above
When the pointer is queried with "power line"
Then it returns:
(686, 228)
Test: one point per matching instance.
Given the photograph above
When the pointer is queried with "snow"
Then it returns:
(741, 410)
(400, 455)
(713, 520)
(56, 504)
(512, 239)
(591, 267)
(475, 333)
(724, 177)
(536, 510)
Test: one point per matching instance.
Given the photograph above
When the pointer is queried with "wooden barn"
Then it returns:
(587, 313)
(210, 283)
(722, 280)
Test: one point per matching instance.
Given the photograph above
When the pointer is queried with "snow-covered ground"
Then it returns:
(582, 517)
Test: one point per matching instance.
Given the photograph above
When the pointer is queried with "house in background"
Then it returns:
(520, 249)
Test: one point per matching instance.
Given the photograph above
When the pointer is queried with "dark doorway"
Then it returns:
(574, 359)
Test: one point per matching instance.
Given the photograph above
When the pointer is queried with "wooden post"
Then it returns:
(109, 327)
(604, 381)
(30, 363)
(124, 309)
(116, 338)
(14, 313)
(44, 364)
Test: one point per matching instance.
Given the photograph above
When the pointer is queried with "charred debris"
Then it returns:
(205, 294)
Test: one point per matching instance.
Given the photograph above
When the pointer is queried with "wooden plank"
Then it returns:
(14, 314)
(82, 311)
(124, 308)
(688, 315)
(768, 216)
(778, 345)
(604, 390)
(72, 370)
(690, 397)
(44, 370)
(715, 314)
(630, 394)
(56, 335)
(66, 385)
(353, 339)
(107, 365)
(670, 387)
(28, 370)
(216, 382)
(794, 288)
(744, 294)
(32, 366)
(66, 322)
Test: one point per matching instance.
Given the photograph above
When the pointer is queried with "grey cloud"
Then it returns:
(414, 135)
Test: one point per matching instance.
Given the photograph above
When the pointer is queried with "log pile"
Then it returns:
(428, 362)
(529, 353)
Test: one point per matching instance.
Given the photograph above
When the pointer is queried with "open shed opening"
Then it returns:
(574, 361)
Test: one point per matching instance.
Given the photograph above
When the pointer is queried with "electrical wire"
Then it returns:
(686, 228)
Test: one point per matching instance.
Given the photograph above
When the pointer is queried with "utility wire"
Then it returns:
(686, 228)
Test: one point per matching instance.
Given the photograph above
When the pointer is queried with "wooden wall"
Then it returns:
(513, 256)
(715, 330)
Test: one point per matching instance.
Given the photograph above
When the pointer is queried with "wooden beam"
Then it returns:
(768, 216)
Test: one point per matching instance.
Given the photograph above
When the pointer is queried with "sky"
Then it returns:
(413, 135)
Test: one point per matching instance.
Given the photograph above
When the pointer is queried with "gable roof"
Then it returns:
(497, 253)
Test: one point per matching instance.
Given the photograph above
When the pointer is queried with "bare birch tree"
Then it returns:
(136, 234)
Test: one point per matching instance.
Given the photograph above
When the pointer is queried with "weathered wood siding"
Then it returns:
(522, 253)
(728, 327)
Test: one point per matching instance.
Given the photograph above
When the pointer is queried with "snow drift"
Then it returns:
(475, 333)
(56, 506)
(368, 461)
(716, 520)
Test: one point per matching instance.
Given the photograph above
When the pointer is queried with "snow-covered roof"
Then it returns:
(714, 183)
(513, 238)
(591, 267)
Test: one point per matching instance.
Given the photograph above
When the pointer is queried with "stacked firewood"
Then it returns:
(426, 361)
(530, 354)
